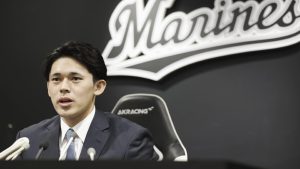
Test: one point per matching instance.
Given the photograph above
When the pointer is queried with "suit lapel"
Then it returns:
(96, 136)
(52, 136)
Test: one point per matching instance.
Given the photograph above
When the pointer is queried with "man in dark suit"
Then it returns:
(75, 74)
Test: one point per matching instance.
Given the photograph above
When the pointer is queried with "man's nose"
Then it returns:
(65, 87)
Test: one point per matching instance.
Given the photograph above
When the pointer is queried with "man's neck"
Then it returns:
(72, 121)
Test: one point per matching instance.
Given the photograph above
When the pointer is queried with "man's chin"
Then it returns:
(70, 118)
(66, 114)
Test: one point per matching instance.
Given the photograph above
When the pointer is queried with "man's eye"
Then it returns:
(55, 79)
(76, 79)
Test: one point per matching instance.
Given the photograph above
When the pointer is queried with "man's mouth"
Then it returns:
(65, 101)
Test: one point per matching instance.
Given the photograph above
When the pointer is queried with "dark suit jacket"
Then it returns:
(112, 137)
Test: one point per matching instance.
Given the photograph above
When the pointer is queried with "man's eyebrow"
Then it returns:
(55, 74)
(71, 73)
(75, 73)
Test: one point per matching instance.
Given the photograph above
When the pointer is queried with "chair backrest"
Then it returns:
(151, 111)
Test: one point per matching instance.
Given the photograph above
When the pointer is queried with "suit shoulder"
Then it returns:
(40, 125)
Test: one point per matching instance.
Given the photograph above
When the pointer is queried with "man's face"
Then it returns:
(72, 89)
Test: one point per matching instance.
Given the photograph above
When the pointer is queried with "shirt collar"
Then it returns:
(81, 128)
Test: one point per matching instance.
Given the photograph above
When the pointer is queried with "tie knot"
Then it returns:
(70, 133)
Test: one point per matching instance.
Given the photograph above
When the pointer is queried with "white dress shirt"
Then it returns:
(80, 129)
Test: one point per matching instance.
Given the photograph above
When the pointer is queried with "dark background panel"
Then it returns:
(242, 107)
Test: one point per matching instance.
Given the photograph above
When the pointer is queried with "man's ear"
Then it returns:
(99, 87)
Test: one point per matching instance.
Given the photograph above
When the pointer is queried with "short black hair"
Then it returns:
(82, 52)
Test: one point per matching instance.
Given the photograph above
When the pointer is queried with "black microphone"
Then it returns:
(42, 147)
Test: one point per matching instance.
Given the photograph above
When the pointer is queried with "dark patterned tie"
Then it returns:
(71, 149)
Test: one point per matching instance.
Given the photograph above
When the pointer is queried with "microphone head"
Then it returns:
(91, 151)
(26, 144)
(44, 145)
(21, 142)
